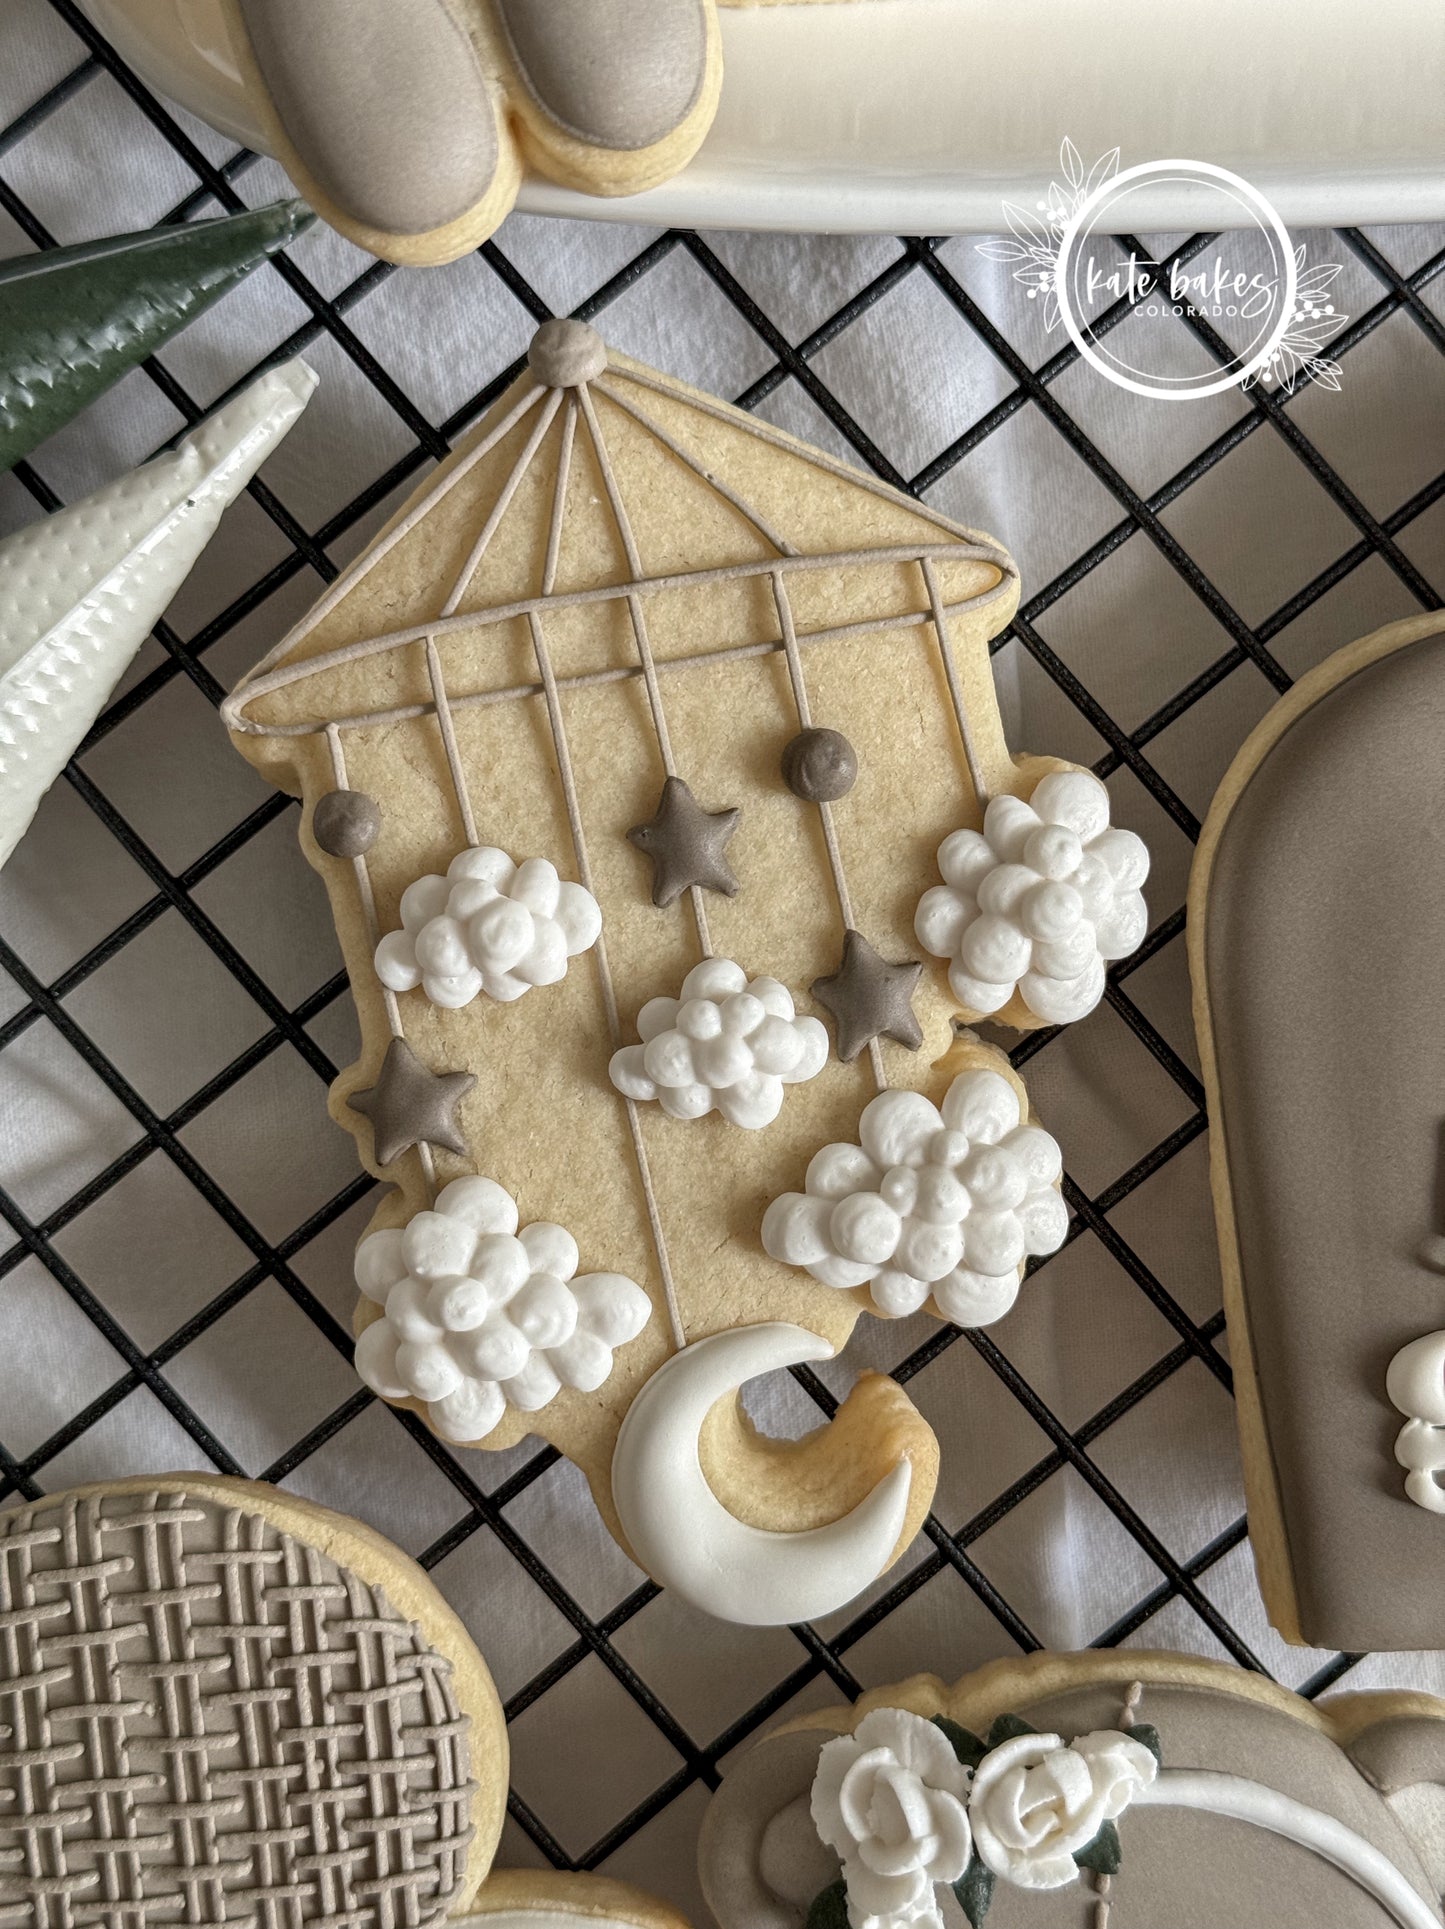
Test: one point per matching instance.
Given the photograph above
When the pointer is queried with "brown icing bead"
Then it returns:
(346, 823)
(820, 766)
(566, 353)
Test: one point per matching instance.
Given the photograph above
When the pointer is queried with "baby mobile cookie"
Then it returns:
(636, 588)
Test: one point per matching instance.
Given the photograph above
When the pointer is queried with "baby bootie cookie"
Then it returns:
(1087, 1791)
(406, 122)
(626, 752)
(1314, 925)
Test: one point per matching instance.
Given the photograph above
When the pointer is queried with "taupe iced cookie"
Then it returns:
(1079, 1791)
(220, 1703)
(406, 123)
(638, 753)
(1316, 925)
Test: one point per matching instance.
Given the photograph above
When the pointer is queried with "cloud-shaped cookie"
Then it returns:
(488, 925)
(1038, 901)
(728, 1042)
(480, 1317)
(943, 1202)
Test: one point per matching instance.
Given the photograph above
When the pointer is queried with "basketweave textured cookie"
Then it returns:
(219, 1703)
(628, 751)
(1316, 915)
(1093, 1791)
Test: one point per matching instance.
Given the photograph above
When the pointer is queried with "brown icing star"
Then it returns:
(870, 998)
(409, 1105)
(686, 844)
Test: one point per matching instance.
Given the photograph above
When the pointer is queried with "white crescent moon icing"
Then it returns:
(684, 1536)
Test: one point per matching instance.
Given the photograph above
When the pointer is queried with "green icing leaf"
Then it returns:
(829, 1908)
(974, 1889)
(1104, 1854)
(1006, 1727)
(74, 320)
(1147, 1735)
(968, 1747)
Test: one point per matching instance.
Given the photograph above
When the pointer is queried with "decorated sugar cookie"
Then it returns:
(219, 1703)
(1315, 917)
(626, 752)
(1095, 1791)
(406, 123)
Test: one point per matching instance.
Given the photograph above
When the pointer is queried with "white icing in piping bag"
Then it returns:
(684, 1536)
(81, 590)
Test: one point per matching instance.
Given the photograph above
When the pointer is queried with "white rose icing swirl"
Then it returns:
(728, 1042)
(1038, 901)
(936, 1202)
(479, 1317)
(489, 925)
(1036, 1801)
(891, 1799)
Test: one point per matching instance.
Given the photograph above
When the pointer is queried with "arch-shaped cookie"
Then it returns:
(1315, 916)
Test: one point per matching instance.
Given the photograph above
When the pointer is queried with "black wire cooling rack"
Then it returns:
(817, 1662)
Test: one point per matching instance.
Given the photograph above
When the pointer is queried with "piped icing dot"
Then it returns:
(346, 823)
(820, 766)
(565, 353)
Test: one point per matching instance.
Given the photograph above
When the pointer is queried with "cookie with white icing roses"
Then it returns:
(1077, 1791)
(1315, 921)
(626, 753)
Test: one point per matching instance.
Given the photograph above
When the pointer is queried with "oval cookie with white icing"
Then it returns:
(1070, 1791)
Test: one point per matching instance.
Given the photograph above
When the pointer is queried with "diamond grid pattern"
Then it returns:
(1048, 1428)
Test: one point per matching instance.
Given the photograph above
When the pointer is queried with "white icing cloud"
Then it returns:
(944, 1202)
(488, 925)
(480, 1317)
(1038, 901)
(727, 1042)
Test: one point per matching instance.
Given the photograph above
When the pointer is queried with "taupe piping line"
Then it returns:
(825, 809)
(592, 679)
(259, 684)
(967, 540)
(584, 870)
(1104, 1884)
(454, 596)
(367, 561)
(639, 630)
(715, 483)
